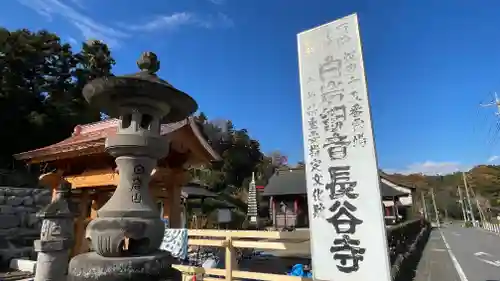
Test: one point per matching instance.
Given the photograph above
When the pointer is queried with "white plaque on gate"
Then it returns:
(348, 238)
(224, 215)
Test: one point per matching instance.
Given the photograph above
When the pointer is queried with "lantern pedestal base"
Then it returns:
(92, 267)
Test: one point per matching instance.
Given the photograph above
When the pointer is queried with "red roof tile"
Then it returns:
(92, 136)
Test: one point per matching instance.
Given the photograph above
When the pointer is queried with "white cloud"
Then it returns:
(72, 41)
(217, 2)
(225, 20)
(493, 158)
(164, 22)
(93, 29)
(431, 168)
(177, 20)
(78, 3)
(90, 28)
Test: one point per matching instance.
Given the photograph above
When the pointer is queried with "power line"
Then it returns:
(493, 137)
(479, 111)
(488, 120)
(490, 129)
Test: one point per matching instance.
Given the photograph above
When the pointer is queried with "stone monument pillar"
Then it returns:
(127, 233)
(56, 237)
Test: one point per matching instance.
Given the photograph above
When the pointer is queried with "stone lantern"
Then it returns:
(56, 237)
(127, 233)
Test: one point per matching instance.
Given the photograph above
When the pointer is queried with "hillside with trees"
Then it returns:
(483, 181)
(241, 157)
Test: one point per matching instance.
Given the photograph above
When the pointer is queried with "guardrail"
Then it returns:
(406, 242)
(403, 240)
(493, 227)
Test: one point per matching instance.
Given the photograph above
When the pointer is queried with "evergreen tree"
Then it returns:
(41, 82)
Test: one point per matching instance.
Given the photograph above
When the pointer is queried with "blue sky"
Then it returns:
(428, 64)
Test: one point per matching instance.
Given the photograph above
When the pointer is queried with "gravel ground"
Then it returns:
(15, 275)
(278, 261)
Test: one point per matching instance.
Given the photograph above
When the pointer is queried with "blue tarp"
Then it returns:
(298, 270)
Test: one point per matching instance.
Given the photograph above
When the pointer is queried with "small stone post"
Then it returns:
(56, 237)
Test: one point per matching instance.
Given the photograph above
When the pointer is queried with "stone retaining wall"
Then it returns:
(19, 226)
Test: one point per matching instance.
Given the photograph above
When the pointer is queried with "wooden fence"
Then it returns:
(295, 241)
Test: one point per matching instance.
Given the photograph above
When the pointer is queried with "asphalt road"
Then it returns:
(435, 263)
(474, 253)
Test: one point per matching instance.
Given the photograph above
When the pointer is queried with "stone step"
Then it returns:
(25, 265)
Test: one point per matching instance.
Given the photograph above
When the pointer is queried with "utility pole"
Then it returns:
(479, 208)
(473, 219)
(424, 206)
(481, 213)
(462, 204)
(435, 207)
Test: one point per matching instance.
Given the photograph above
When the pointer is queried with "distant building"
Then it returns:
(286, 197)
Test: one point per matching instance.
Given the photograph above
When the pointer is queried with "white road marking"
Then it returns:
(456, 234)
(454, 260)
(428, 269)
(439, 250)
(494, 263)
(482, 254)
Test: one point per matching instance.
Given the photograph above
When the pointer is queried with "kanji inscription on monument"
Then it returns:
(348, 238)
